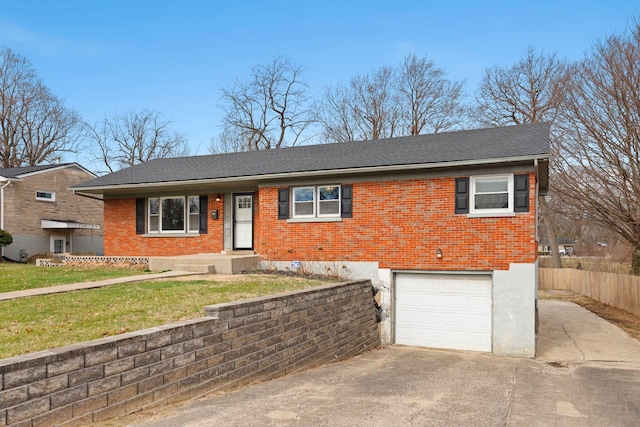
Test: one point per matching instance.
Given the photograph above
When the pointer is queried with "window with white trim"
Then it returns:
(194, 213)
(46, 196)
(154, 214)
(491, 194)
(316, 201)
(304, 204)
(173, 214)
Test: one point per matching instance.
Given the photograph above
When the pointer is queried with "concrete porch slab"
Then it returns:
(227, 263)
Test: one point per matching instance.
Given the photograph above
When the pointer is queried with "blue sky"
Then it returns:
(109, 56)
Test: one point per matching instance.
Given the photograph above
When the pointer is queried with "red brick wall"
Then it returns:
(120, 236)
(401, 224)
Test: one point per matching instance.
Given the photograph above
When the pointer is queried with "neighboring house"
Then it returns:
(566, 245)
(44, 216)
(444, 225)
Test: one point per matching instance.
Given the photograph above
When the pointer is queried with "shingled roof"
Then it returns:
(481, 146)
(14, 173)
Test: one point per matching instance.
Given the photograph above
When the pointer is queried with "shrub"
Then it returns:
(5, 239)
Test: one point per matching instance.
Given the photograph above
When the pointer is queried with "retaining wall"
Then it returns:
(236, 344)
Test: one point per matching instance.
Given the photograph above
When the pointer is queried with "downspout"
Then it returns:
(537, 196)
(2, 211)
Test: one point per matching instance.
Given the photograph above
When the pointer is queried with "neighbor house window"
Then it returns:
(320, 201)
(173, 214)
(46, 196)
(491, 194)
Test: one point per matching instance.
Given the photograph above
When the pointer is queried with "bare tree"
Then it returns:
(601, 155)
(533, 90)
(228, 141)
(272, 110)
(131, 138)
(35, 126)
(529, 92)
(338, 115)
(430, 103)
(411, 99)
(368, 108)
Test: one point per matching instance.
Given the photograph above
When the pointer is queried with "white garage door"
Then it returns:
(443, 311)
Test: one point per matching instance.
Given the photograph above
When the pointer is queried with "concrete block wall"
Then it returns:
(236, 344)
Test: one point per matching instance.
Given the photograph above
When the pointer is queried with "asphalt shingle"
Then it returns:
(481, 144)
(12, 173)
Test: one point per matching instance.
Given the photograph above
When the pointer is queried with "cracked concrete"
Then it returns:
(514, 382)
(589, 339)
(587, 373)
(575, 344)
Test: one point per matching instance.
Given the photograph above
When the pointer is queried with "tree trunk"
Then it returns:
(635, 262)
(550, 232)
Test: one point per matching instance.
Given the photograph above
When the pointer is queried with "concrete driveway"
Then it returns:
(587, 373)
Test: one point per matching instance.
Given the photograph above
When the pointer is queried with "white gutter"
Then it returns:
(393, 168)
(537, 196)
(2, 211)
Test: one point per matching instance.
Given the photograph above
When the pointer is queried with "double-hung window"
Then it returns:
(304, 203)
(154, 215)
(173, 214)
(194, 213)
(317, 201)
(491, 194)
(329, 200)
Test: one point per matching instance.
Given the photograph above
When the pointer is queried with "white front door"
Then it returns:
(443, 310)
(243, 221)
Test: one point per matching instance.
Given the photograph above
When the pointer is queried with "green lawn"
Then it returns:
(16, 277)
(49, 321)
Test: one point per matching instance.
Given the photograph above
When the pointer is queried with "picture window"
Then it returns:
(173, 214)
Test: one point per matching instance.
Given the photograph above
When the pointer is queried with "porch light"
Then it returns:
(218, 197)
(438, 253)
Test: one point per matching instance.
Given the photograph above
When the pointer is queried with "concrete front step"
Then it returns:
(207, 263)
(196, 268)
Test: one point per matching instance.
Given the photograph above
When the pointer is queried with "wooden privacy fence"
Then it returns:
(617, 290)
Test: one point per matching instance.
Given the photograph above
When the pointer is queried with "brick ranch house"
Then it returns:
(444, 225)
(44, 216)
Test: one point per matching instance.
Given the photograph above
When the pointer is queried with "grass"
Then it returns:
(49, 321)
(16, 277)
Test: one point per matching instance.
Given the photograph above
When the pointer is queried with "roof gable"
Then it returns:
(472, 147)
(24, 171)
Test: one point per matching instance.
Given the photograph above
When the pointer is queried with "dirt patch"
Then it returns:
(626, 321)
(215, 277)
